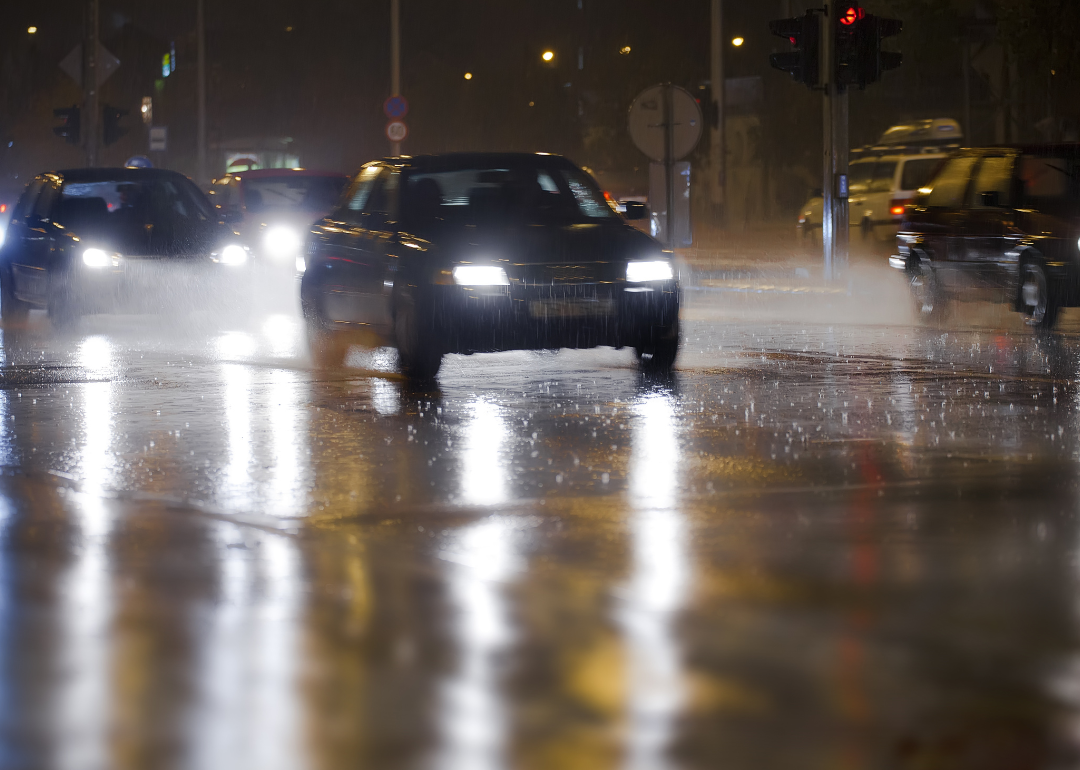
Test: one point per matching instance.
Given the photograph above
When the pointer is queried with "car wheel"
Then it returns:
(659, 354)
(11, 309)
(419, 353)
(61, 305)
(327, 347)
(931, 303)
(1037, 299)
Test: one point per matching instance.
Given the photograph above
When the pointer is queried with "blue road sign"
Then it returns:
(396, 107)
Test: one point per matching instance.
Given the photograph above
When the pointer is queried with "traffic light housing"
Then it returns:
(848, 20)
(68, 130)
(804, 33)
(112, 128)
(872, 61)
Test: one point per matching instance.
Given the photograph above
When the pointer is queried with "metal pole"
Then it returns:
(91, 116)
(717, 153)
(395, 60)
(669, 165)
(841, 229)
(828, 81)
(200, 22)
(966, 53)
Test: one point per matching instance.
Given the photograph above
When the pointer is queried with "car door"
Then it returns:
(375, 247)
(340, 275)
(945, 229)
(990, 215)
(32, 262)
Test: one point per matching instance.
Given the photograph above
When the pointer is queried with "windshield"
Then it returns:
(120, 203)
(288, 191)
(520, 195)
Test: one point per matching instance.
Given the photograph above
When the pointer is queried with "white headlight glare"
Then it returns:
(233, 254)
(301, 264)
(480, 275)
(96, 258)
(652, 270)
(281, 242)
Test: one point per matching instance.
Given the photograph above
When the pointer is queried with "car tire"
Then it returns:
(419, 353)
(931, 302)
(1036, 296)
(659, 354)
(12, 310)
(61, 305)
(327, 347)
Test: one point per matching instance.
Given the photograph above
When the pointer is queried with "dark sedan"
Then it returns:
(101, 240)
(997, 223)
(471, 253)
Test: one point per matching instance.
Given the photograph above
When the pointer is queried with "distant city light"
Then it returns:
(737, 41)
(532, 104)
(31, 30)
(468, 76)
(624, 50)
(288, 29)
(548, 55)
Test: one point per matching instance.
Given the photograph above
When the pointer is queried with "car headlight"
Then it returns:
(480, 275)
(281, 242)
(233, 254)
(651, 270)
(96, 258)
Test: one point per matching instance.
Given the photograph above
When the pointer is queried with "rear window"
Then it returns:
(917, 172)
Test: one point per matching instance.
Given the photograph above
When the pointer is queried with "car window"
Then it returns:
(993, 176)
(859, 174)
(361, 189)
(172, 200)
(383, 194)
(26, 202)
(948, 187)
(292, 192)
(1045, 177)
(884, 174)
(515, 194)
(917, 172)
(223, 194)
(44, 203)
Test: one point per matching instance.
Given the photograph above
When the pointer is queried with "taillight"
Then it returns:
(3, 208)
(896, 207)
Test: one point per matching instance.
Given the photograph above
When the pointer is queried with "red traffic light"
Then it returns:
(851, 15)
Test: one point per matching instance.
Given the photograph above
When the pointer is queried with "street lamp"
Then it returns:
(31, 30)
(624, 50)
(738, 41)
(468, 76)
(548, 55)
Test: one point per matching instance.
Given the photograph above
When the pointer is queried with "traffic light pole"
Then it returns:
(395, 60)
(834, 220)
(91, 110)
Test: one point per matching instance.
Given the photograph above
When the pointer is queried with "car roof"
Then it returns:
(466, 159)
(111, 174)
(259, 173)
(1068, 148)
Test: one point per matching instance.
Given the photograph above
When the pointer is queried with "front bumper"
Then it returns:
(531, 317)
(153, 286)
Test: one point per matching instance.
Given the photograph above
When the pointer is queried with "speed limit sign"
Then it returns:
(396, 131)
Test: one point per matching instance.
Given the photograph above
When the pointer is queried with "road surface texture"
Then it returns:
(832, 539)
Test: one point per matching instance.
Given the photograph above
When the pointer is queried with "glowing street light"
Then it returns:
(31, 30)
(468, 76)
(548, 55)
(624, 50)
(738, 41)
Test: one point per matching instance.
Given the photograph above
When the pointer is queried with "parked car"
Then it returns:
(470, 253)
(879, 186)
(998, 223)
(100, 240)
(272, 209)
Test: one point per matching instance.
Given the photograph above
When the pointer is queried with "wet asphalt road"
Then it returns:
(832, 539)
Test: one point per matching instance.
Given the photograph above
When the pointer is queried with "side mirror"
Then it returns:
(636, 210)
(990, 199)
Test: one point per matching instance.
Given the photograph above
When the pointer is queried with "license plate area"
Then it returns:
(571, 307)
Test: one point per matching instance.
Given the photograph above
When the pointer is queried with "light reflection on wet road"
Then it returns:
(814, 546)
